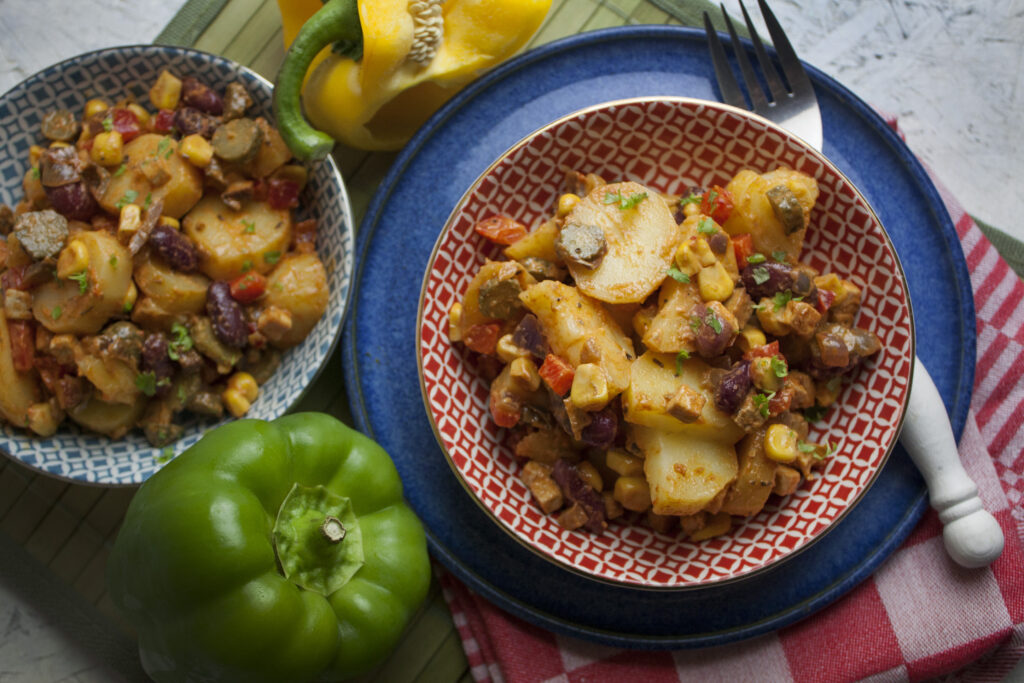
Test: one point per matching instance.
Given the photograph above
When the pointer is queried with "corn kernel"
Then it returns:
(524, 372)
(751, 337)
(130, 297)
(590, 476)
(691, 209)
(715, 526)
(687, 259)
(780, 443)
(507, 350)
(236, 404)
(43, 418)
(108, 149)
(245, 384)
(58, 144)
(196, 149)
(455, 322)
(624, 464)
(169, 222)
(35, 152)
(589, 387)
(633, 493)
(128, 222)
(166, 91)
(95, 106)
(715, 283)
(704, 253)
(762, 373)
(566, 203)
(140, 113)
(74, 258)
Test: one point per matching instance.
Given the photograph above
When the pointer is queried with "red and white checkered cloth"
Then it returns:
(919, 616)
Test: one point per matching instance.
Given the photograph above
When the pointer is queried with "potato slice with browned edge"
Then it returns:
(231, 242)
(640, 235)
(755, 479)
(684, 473)
(753, 213)
(20, 389)
(154, 169)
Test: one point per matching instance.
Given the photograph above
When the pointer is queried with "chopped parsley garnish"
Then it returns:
(182, 395)
(831, 448)
(624, 202)
(127, 198)
(149, 200)
(756, 257)
(161, 147)
(278, 287)
(761, 401)
(713, 322)
(35, 172)
(82, 278)
(678, 275)
(271, 257)
(779, 255)
(834, 384)
(113, 261)
(146, 382)
(250, 227)
(108, 124)
(695, 324)
(779, 367)
(760, 275)
(806, 447)
(782, 298)
(246, 266)
(705, 226)
(180, 341)
(56, 312)
(691, 199)
(165, 455)
(120, 170)
(712, 196)
(815, 413)
(680, 357)
(128, 306)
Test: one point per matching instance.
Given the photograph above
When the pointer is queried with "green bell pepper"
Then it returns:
(270, 551)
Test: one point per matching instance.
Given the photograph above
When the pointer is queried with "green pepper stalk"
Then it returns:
(336, 22)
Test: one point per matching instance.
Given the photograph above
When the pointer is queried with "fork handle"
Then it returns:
(972, 536)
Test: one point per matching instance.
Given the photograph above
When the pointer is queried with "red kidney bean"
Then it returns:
(569, 480)
(226, 315)
(733, 387)
(175, 248)
(528, 335)
(73, 201)
(767, 279)
(156, 360)
(191, 121)
(602, 430)
(713, 334)
(196, 94)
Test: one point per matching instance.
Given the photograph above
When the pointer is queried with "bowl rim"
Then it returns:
(333, 171)
(532, 547)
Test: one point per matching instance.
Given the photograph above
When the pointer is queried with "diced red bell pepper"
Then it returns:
(482, 338)
(282, 193)
(248, 287)
(765, 351)
(163, 121)
(742, 246)
(23, 346)
(717, 203)
(780, 402)
(557, 374)
(825, 299)
(125, 122)
(505, 412)
(500, 229)
(13, 278)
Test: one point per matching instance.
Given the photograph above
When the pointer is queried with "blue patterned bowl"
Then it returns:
(112, 73)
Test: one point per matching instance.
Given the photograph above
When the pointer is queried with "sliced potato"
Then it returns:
(113, 378)
(174, 291)
(684, 473)
(112, 419)
(640, 242)
(154, 169)
(20, 389)
(652, 384)
(755, 479)
(571, 321)
(752, 212)
(299, 285)
(231, 242)
(669, 330)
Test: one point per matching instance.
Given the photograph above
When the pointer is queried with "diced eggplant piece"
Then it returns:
(767, 279)
(237, 141)
(581, 244)
(529, 336)
(236, 101)
(786, 207)
(542, 269)
(577, 490)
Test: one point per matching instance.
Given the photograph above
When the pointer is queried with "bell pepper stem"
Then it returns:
(332, 529)
(336, 20)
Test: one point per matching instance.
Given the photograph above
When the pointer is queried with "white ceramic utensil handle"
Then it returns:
(971, 534)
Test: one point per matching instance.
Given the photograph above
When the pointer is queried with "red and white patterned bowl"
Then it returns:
(670, 145)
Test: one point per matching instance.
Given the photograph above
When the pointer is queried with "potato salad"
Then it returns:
(657, 359)
(154, 266)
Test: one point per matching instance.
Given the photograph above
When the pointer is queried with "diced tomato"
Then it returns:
(482, 338)
(766, 351)
(126, 123)
(780, 402)
(504, 410)
(282, 193)
(825, 299)
(717, 203)
(249, 287)
(13, 278)
(163, 122)
(742, 246)
(23, 347)
(557, 374)
(500, 229)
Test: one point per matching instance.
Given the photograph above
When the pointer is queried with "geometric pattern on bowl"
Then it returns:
(670, 145)
(114, 73)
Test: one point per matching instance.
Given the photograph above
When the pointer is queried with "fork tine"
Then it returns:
(792, 67)
(727, 84)
(757, 99)
(776, 87)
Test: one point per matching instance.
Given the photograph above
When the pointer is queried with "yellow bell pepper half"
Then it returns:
(416, 54)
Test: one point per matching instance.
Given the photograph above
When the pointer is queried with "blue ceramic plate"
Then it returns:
(395, 242)
(113, 73)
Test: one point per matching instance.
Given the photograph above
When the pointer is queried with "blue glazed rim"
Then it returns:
(959, 397)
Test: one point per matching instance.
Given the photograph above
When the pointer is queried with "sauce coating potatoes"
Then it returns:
(232, 243)
(154, 169)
